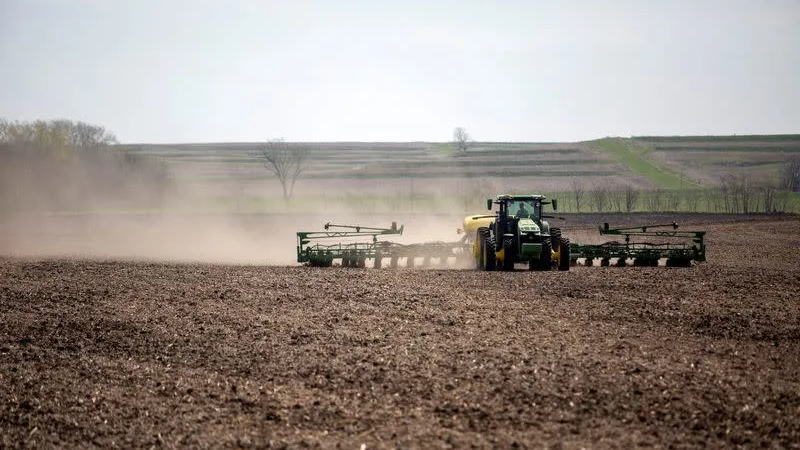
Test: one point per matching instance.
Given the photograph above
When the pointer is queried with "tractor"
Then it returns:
(517, 233)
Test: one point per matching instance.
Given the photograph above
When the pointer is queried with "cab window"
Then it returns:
(520, 209)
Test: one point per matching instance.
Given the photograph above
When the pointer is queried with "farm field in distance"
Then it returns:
(427, 177)
(117, 353)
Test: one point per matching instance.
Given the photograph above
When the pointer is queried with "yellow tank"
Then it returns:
(472, 223)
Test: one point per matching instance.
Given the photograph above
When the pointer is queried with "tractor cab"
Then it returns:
(524, 209)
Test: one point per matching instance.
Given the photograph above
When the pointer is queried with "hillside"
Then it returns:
(420, 172)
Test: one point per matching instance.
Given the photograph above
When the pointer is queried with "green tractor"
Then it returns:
(518, 233)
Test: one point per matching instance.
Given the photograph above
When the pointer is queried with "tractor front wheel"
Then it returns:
(545, 261)
(489, 258)
(508, 254)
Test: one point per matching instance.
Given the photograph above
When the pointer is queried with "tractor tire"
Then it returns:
(545, 261)
(489, 258)
(564, 261)
(555, 237)
(508, 254)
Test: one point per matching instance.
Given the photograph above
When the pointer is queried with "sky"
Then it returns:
(245, 71)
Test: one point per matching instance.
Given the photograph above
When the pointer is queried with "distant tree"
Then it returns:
(599, 197)
(673, 200)
(461, 139)
(769, 197)
(63, 165)
(287, 162)
(654, 201)
(616, 199)
(739, 193)
(790, 178)
(692, 199)
(631, 198)
(578, 192)
(56, 134)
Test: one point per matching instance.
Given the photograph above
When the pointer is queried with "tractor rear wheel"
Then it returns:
(481, 247)
(563, 252)
(508, 254)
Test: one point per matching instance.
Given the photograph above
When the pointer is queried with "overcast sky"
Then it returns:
(200, 71)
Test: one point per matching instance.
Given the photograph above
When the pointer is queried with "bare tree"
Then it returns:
(782, 200)
(693, 199)
(578, 192)
(738, 192)
(747, 193)
(631, 198)
(715, 200)
(673, 199)
(790, 178)
(599, 197)
(769, 197)
(616, 198)
(654, 201)
(461, 139)
(286, 162)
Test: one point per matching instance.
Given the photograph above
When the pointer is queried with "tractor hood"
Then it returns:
(528, 226)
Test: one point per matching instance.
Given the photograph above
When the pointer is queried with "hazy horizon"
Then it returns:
(358, 71)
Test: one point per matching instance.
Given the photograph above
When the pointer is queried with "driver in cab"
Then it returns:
(522, 212)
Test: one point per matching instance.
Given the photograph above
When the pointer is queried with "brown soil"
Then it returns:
(122, 354)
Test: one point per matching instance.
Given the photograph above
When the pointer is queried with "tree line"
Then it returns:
(734, 194)
(63, 165)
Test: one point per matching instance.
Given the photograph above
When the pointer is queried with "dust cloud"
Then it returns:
(111, 205)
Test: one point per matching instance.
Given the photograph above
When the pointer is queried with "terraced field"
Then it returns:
(429, 176)
(707, 158)
(390, 167)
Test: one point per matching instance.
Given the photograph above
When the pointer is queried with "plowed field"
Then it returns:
(132, 354)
